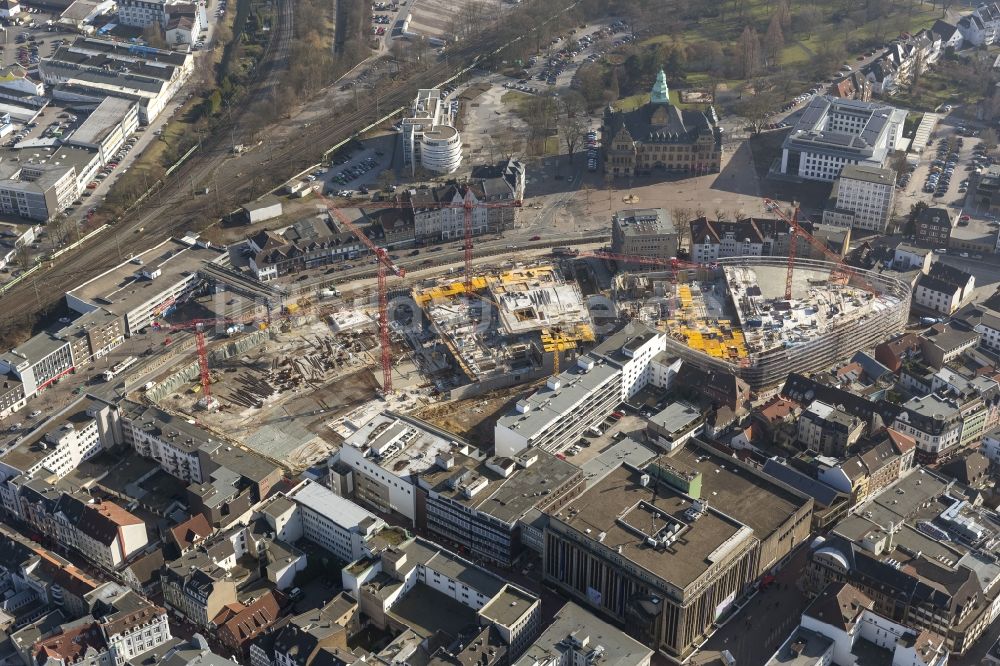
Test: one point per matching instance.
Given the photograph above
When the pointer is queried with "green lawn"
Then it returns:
(633, 102)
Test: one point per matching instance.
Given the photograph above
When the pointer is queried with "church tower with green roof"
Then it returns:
(660, 93)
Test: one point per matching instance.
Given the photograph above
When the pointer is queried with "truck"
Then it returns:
(119, 368)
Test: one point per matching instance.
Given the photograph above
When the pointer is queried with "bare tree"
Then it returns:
(774, 40)
(749, 52)
(572, 120)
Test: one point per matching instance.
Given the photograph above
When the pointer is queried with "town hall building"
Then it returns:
(659, 137)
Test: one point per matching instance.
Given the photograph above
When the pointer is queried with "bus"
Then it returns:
(121, 367)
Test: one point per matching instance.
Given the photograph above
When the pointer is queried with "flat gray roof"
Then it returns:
(504, 498)
(548, 405)
(108, 115)
(677, 417)
(508, 606)
(602, 511)
(626, 451)
(868, 174)
(329, 504)
(620, 649)
(166, 426)
(39, 346)
(122, 289)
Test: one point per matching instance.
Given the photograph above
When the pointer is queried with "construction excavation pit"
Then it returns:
(278, 391)
(501, 329)
(734, 315)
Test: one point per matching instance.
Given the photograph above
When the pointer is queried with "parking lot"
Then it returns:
(943, 175)
(355, 170)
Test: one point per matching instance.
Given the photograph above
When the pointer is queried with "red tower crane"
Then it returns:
(384, 265)
(841, 274)
(206, 379)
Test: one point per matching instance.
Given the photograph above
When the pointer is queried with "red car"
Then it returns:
(536, 238)
(965, 218)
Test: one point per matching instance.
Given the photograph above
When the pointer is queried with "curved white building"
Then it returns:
(429, 136)
(441, 149)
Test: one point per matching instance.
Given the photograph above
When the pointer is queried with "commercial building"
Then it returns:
(61, 444)
(149, 285)
(477, 503)
(748, 339)
(38, 184)
(107, 128)
(863, 197)
(987, 192)
(575, 400)
(337, 524)
(38, 362)
(577, 636)
(429, 137)
(92, 336)
(841, 627)
(387, 455)
(91, 69)
(308, 243)
(419, 586)
(644, 233)
(832, 133)
(660, 137)
(667, 551)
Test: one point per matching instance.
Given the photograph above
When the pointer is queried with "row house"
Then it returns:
(866, 474)
(103, 532)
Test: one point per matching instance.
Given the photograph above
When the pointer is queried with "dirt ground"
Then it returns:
(280, 399)
(473, 419)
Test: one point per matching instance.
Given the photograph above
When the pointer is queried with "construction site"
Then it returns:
(734, 315)
(500, 329)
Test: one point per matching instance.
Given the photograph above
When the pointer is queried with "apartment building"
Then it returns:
(981, 27)
(756, 237)
(922, 554)
(944, 289)
(934, 422)
(840, 624)
(828, 430)
(197, 588)
(933, 226)
(863, 197)
(439, 212)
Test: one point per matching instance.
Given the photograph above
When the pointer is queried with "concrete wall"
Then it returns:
(188, 373)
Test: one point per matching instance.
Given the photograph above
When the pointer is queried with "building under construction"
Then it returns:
(733, 315)
(509, 327)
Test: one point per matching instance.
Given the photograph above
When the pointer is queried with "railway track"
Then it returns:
(233, 179)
